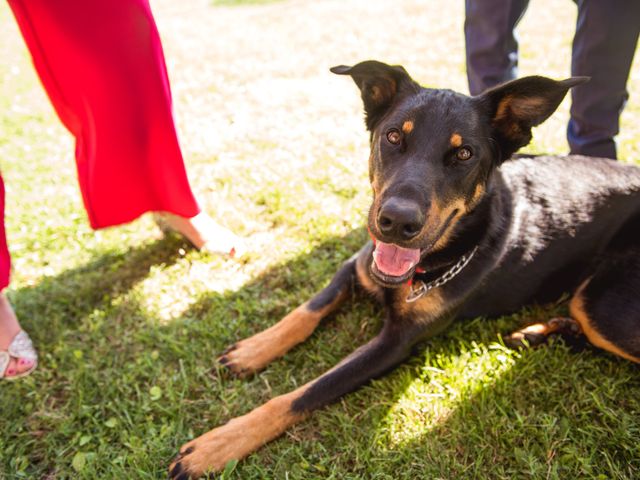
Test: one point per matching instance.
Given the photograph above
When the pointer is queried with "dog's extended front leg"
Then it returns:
(242, 435)
(256, 352)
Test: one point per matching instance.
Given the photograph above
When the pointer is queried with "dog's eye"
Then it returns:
(394, 137)
(464, 153)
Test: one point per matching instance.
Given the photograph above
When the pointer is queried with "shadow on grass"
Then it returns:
(59, 302)
(548, 413)
(124, 390)
(465, 407)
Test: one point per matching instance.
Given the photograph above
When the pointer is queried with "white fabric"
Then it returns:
(21, 347)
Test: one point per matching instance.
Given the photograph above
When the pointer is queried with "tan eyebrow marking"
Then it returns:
(407, 127)
(455, 140)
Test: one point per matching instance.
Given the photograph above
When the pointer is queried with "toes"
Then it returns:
(187, 451)
(183, 453)
(181, 469)
(230, 348)
(233, 365)
(24, 364)
(234, 369)
(178, 472)
(538, 333)
(564, 325)
(18, 366)
(521, 340)
(535, 339)
(225, 359)
(175, 470)
(237, 371)
(512, 341)
(12, 368)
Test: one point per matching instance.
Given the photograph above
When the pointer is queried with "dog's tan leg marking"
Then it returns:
(537, 333)
(578, 313)
(237, 438)
(256, 352)
(546, 328)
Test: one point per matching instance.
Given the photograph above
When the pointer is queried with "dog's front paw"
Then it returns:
(177, 471)
(255, 353)
(250, 355)
(207, 453)
(236, 439)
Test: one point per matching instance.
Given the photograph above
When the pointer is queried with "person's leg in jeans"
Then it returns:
(491, 41)
(603, 47)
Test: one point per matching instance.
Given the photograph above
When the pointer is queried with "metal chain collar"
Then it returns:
(420, 289)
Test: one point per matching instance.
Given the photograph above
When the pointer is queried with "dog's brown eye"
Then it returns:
(464, 153)
(394, 136)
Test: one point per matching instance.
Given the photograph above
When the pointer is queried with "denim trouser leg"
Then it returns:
(603, 48)
(491, 43)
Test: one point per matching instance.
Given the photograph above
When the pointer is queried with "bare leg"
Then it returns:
(9, 328)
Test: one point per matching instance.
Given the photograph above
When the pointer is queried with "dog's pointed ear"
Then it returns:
(380, 85)
(517, 106)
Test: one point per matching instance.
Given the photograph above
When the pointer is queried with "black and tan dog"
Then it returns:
(459, 229)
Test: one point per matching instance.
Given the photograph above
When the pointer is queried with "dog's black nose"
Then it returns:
(400, 218)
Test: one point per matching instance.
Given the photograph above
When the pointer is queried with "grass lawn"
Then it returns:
(128, 323)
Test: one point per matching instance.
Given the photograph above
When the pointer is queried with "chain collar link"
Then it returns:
(420, 289)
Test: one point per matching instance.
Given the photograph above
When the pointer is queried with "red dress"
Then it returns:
(102, 66)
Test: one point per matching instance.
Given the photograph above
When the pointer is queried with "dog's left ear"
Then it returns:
(517, 106)
(380, 86)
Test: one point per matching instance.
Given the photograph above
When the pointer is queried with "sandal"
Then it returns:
(20, 347)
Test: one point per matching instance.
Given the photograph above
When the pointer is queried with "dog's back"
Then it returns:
(560, 213)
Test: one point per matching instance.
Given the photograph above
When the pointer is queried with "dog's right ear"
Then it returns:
(517, 106)
(380, 86)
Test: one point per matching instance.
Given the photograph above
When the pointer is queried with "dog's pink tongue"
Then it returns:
(394, 260)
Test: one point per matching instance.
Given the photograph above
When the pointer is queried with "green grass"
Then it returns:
(128, 324)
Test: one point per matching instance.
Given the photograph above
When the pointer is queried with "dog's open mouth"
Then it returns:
(393, 264)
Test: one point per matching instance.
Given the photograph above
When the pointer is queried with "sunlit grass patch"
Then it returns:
(129, 323)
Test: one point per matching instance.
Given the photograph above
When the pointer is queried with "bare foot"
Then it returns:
(203, 233)
(9, 328)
